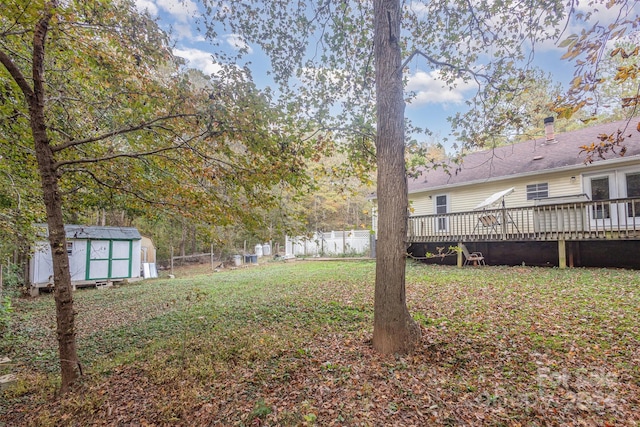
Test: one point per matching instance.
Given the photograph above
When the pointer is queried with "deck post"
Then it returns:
(562, 253)
(460, 260)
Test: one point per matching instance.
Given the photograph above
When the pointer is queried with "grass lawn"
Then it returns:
(289, 344)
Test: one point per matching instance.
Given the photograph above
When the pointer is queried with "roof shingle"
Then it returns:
(527, 157)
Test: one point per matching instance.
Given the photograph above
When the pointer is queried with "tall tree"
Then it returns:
(34, 95)
(345, 64)
(394, 330)
(113, 122)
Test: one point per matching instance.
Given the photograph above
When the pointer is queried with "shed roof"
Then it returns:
(98, 232)
(532, 157)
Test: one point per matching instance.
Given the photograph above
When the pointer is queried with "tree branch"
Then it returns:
(14, 71)
(121, 131)
(119, 155)
(126, 191)
(39, 40)
(442, 64)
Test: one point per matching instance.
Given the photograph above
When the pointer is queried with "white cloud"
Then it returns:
(182, 11)
(604, 14)
(178, 16)
(237, 42)
(147, 5)
(182, 31)
(198, 59)
(420, 9)
(599, 11)
(430, 89)
(600, 14)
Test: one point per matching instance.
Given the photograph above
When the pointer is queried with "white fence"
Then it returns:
(350, 242)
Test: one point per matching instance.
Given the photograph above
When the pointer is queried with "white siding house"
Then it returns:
(555, 167)
(547, 193)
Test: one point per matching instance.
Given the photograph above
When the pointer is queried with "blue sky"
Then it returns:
(431, 106)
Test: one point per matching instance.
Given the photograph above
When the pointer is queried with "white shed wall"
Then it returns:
(136, 266)
(42, 265)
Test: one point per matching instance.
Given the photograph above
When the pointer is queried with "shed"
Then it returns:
(147, 250)
(96, 255)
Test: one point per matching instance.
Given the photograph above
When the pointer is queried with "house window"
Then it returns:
(633, 190)
(442, 208)
(538, 191)
(600, 191)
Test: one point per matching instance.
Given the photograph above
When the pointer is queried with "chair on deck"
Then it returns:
(493, 222)
(487, 221)
(476, 257)
(490, 220)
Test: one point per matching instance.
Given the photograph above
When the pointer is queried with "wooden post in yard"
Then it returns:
(171, 260)
(211, 252)
(562, 253)
(460, 260)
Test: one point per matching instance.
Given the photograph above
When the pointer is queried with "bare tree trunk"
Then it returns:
(65, 315)
(394, 331)
(194, 239)
(183, 239)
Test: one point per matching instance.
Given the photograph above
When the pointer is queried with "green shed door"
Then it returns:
(109, 259)
(120, 259)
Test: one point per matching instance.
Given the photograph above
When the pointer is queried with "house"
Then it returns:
(97, 255)
(534, 202)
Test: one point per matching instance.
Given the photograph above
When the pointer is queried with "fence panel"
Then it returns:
(347, 242)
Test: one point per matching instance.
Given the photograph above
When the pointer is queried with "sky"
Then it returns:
(430, 108)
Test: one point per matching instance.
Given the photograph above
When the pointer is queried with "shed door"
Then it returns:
(120, 259)
(109, 259)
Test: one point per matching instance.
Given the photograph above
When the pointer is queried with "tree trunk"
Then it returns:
(394, 331)
(194, 239)
(65, 315)
(183, 240)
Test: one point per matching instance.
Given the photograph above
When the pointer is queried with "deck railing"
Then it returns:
(601, 219)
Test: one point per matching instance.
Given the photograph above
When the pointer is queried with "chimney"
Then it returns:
(549, 131)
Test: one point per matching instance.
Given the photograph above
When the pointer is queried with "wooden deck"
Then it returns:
(575, 221)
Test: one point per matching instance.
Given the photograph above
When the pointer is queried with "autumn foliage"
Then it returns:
(290, 344)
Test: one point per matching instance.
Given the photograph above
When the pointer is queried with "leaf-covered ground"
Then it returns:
(289, 344)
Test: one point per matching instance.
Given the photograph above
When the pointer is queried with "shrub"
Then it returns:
(5, 314)
(12, 280)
